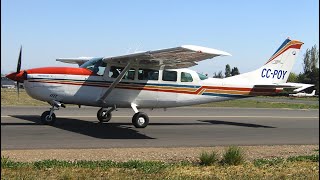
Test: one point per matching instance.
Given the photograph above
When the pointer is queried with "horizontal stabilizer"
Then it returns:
(296, 86)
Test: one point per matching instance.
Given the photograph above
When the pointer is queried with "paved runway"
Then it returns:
(192, 126)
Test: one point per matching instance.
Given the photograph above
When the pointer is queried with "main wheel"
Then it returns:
(140, 120)
(47, 119)
(103, 115)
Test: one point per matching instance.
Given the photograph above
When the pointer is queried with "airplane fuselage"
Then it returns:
(151, 79)
(83, 88)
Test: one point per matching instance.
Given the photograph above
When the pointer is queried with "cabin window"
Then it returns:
(97, 66)
(115, 72)
(169, 76)
(202, 77)
(148, 74)
(186, 77)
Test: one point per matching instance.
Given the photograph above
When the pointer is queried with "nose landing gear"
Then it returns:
(48, 117)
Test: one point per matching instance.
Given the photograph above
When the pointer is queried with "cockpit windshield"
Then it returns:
(96, 65)
(202, 77)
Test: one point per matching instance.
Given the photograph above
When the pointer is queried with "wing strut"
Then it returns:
(115, 82)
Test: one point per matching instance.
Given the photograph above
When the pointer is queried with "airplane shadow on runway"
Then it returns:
(216, 122)
(89, 128)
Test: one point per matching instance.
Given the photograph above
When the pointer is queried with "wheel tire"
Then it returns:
(140, 120)
(102, 117)
(45, 119)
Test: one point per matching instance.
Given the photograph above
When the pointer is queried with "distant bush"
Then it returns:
(313, 158)
(233, 156)
(207, 159)
(268, 162)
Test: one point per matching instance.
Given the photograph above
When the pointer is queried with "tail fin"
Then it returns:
(277, 69)
(313, 92)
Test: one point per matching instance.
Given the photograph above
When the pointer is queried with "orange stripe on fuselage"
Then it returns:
(199, 91)
(61, 70)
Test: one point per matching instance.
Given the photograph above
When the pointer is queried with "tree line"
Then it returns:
(310, 74)
(227, 73)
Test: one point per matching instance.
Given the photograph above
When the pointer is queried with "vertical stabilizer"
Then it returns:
(277, 69)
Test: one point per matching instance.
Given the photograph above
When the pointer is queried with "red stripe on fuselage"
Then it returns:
(250, 91)
(61, 70)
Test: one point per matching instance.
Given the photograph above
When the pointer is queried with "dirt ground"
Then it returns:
(156, 154)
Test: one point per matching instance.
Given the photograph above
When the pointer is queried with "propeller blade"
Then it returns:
(19, 61)
(18, 89)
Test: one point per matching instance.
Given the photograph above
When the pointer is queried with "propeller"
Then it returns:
(18, 76)
(18, 70)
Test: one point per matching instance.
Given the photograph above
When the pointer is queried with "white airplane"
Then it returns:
(304, 94)
(151, 79)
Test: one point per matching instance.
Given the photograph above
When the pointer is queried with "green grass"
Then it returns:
(207, 159)
(277, 161)
(233, 156)
(298, 98)
(10, 98)
(259, 104)
(298, 167)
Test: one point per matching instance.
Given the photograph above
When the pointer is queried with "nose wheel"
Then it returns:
(48, 118)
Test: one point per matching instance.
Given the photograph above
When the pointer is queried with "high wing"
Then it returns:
(171, 58)
(79, 60)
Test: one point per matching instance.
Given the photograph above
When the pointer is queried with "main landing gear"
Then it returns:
(48, 117)
(139, 119)
(104, 115)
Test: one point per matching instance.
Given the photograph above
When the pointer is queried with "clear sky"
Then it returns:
(250, 30)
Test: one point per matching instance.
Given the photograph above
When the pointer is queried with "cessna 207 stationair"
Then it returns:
(151, 79)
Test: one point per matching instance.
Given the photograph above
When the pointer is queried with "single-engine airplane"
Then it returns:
(151, 79)
(304, 94)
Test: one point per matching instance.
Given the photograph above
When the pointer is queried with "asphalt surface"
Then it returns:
(176, 127)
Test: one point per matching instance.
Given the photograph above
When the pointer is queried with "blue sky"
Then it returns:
(250, 30)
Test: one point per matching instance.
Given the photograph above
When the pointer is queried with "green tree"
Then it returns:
(293, 77)
(310, 68)
(218, 75)
(235, 71)
(227, 71)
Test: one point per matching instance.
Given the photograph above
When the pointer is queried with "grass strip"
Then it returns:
(300, 167)
(259, 104)
(277, 161)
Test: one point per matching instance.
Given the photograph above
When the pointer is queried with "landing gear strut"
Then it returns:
(48, 117)
(104, 115)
